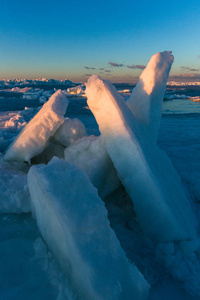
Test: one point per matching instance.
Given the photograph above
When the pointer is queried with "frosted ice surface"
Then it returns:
(147, 97)
(90, 155)
(73, 221)
(163, 209)
(34, 137)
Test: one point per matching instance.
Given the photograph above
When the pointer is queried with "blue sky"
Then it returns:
(74, 39)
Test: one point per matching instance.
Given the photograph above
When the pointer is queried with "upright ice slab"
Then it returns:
(163, 209)
(73, 222)
(90, 155)
(147, 97)
(34, 137)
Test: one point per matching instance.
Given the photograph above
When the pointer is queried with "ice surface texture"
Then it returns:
(73, 221)
(70, 131)
(34, 137)
(14, 193)
(163, 209)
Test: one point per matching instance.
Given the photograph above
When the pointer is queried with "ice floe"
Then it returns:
(34, 137)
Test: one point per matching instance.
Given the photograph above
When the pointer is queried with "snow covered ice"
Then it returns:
(73, 221)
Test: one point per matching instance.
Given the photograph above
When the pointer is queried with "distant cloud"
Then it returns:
(89, 68)
(140, 67)
(112, 64)
(190, 69)
(198, 56)
(107, 71)
(186, 77)
(101, 69)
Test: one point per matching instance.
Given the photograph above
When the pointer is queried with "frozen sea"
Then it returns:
(27, 268)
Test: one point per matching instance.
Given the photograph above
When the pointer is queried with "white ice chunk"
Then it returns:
(14, 194)
(73, 222)
(80, 89)
(34, 137)
(16, 123)
(70, 131)
(90, 155)
(163, 209)
(147, 97)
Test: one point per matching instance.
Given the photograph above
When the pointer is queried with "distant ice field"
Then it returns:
(177, 100)
(15, 102)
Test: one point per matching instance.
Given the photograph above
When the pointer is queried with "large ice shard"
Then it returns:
(147, 97)
(90, 155)
(73, 222)
(163, 208)
(33, 139)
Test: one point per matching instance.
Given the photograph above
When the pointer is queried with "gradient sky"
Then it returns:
(74, 39)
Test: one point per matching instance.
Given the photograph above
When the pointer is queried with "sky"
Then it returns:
(114, 39)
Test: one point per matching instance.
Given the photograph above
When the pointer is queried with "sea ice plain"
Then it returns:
(163, 207)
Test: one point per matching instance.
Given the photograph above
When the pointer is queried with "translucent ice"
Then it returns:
(163, 208)
(90, 155)
(73, 222)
